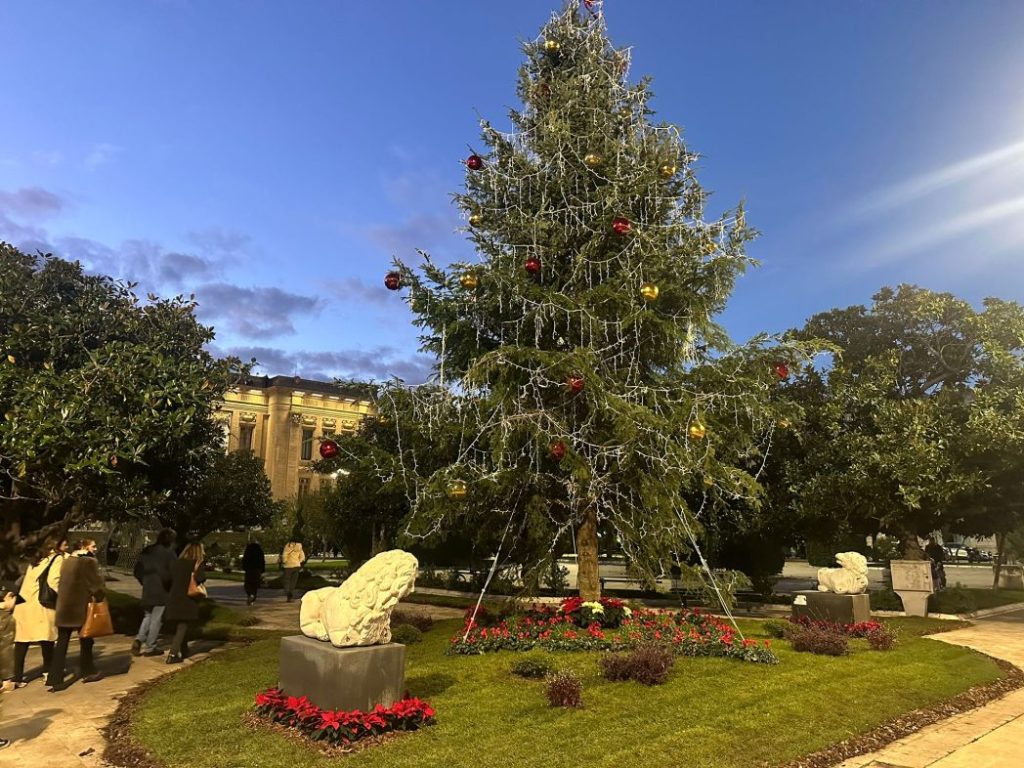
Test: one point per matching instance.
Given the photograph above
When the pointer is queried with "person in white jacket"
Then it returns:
(292, 558)
(33, 621)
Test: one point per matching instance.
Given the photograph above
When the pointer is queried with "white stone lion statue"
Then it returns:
(850, 579)
(359, 611)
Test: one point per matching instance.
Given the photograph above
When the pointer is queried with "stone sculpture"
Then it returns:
(850, 579)
(359, 611)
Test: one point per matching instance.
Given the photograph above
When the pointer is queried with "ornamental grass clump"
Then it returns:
(819, 640)
(532, 669)
(882, 639)
(564, 689)
(405, 634)
(421, 621)
(647, 665)
(775, 628)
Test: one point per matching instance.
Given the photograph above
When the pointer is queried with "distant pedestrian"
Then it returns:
(34, 622)
(254, 563)
(937, 554)
(153, 571)
(292, 558)
(187, 571)
(80, 583)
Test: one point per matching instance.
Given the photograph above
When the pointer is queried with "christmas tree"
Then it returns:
(579, 356)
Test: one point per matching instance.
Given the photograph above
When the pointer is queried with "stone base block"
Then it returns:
(342, 678)
(828, 606)
(915, 602)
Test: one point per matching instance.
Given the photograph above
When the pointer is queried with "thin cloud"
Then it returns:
(32, 202)
(422, 231)
(380, 363)
(101, 154)
(220, 241)
(254, 312)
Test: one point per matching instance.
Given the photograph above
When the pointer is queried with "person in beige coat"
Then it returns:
(292, 559)
(33, 622)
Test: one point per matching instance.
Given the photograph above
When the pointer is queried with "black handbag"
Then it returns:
(47, 594)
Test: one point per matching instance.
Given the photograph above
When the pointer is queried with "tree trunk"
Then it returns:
(997, 566)
(911, 547)
(588, 579)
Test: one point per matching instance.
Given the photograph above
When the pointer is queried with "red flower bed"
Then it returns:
(688, 633)
(336, 726)
(859, 629)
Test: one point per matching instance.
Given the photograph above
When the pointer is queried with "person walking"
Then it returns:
(35, 623)
(153, 572)
(292, 558)
(80, 584)
(254, 563)
(182, 607)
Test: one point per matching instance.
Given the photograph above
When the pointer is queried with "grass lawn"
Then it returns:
(712, 713)
(993, 598)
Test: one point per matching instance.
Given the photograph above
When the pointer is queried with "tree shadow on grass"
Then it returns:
(424, 686)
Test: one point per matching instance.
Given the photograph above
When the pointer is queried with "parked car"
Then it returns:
(956, 552)
(975, 555)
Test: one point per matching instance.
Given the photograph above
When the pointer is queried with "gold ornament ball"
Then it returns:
(783, 423)
(698, 431)
(667, 171)
(649, 291)
(469, 281)
(593, 160)
(552, 46)
(458, 490)
(476, 219)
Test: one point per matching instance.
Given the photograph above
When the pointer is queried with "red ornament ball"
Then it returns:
(575, 384)
(782, 370)
(393, 281)
(532, 265)
(621, 226)
(474, 162)
(328, 449)
(557, 450)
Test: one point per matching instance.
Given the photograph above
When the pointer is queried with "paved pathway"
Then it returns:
(989, 737)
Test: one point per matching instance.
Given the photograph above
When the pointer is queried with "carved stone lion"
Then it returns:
(850, 579)
(359, 611)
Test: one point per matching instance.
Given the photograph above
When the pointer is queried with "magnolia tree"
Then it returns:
(107, 403)
(586, 390)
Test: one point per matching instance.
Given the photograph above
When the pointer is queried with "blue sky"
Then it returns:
(271, 156)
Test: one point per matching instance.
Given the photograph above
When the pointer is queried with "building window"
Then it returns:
(225, 434)
(245, 433)
(303, 486)
(307, 443)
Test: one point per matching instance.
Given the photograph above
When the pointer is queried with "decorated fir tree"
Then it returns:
(579, 356)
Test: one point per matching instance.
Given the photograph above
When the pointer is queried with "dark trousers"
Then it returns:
(21, 651)
(179, 646)
(86, 666)
(252, 582)
(291, 579)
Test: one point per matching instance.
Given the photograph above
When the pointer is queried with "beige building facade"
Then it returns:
(283, 420)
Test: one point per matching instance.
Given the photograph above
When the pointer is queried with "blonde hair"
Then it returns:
(194, 552)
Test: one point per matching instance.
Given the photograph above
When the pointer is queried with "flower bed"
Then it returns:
(555, 628)
(860, 629)
(337, 727)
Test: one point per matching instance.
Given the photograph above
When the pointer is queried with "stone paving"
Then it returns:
(989, 737)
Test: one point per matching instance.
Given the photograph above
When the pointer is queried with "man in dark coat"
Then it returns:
(254, 563)
(80, 583)
(153, 571)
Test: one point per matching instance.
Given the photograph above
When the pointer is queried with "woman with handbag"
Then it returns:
(81, 589)
(35, 622)
(187, 577)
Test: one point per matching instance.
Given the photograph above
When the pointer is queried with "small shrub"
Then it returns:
(533, 669)
(811, 639)
(406, 634)
(885, 600)
(882, 639)
(564, 689)
(775, 628)
(956, 599)
(421, 621)
(647, 665)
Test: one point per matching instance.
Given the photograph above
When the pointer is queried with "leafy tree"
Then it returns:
(234, 495)
(108, 403)
(587, 325)
(899, 431)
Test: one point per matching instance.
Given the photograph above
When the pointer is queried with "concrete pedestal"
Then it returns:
(912, 581)
(1011, 577)
(342, 678)
(828, 606)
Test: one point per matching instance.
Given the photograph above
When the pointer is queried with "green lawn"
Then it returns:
(712, 713)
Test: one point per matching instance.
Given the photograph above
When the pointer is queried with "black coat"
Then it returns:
(181, 607)
(154, 573)
(80, 582)
(253, 559)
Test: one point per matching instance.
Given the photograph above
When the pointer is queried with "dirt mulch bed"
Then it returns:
(121, 747)
(254, 722)
(912, 722)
